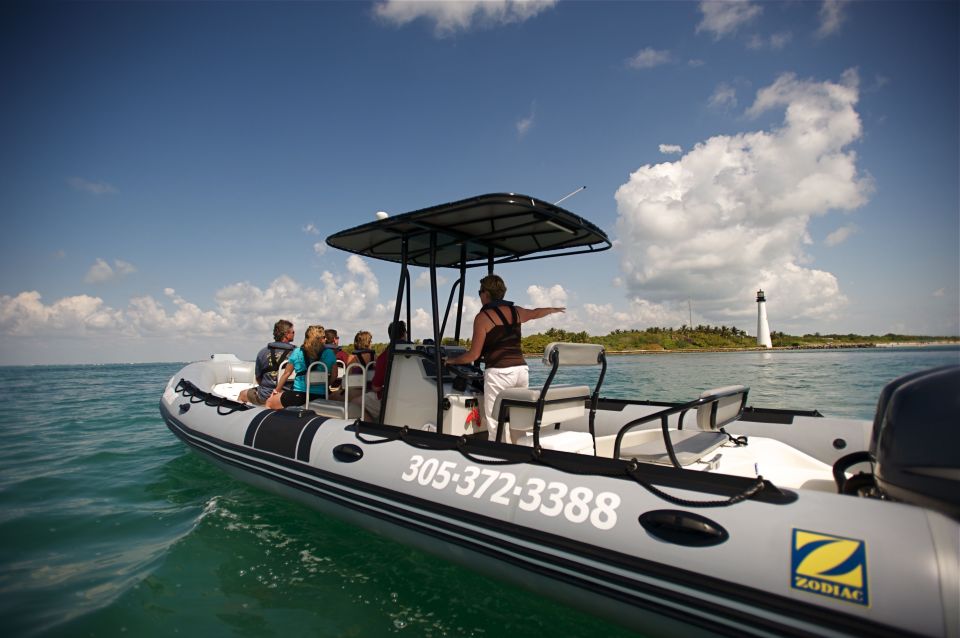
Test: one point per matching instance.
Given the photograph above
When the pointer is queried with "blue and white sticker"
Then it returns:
(832, 566)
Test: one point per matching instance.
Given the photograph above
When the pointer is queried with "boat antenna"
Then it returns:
(569, 195)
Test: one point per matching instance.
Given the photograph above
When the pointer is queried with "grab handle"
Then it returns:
(683, 528)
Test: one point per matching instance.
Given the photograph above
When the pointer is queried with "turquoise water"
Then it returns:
(110, 527)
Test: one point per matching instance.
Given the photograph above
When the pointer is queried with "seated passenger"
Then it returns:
(398, 333)
(269, 360)
(333, 343)
(297, 364)
(361, 356)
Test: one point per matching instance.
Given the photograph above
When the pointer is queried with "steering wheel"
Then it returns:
(466, 372)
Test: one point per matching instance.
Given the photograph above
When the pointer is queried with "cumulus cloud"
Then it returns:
(101, 271)
(723, 17)
(649, 58)
(311, 229)
(26, 315)
(423, 280)
(731, 215)
(670, 149)
(543, 297)
(451, 17)
(97, 188)
(350, 299)
(319, 248)
(840, 235)
(832, 16)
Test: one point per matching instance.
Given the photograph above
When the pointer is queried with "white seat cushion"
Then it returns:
(688, 445)
(562, 403)
(728, 407)
(564, 441)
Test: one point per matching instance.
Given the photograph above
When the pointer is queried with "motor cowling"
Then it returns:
(916, 440)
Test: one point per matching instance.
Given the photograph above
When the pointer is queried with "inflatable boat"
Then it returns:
(706, 517)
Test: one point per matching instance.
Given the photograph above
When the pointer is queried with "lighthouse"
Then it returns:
(763, 327)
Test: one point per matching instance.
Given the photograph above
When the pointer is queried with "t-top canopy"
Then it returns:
(503, 227)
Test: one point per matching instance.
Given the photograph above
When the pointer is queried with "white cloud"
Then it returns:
(940, 292)
(649, 58)
(423, 280)
(101, 271)
(311, 229)
(525, 124)
(26, 315)
(319, 248)
(463, 15)
(775, 42)
(724, 17)
(542, 297)
(724, 96)
(97, 188)
(670, 149)
(732, 213)
(347, 300)
(840, 235)
(831, 17)
(123, 267)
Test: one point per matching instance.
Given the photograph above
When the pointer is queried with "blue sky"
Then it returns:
(169, 171)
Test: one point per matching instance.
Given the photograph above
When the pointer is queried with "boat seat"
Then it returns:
(678, 447)
(689, 446)
(334, 408)
(560, 403)
(530, 410)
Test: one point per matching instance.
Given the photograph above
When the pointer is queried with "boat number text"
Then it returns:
(550, 498)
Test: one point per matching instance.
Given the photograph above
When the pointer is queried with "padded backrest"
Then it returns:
(573, 354)
(728, 405)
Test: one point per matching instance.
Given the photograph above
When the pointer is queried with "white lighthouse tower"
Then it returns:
(763, 327)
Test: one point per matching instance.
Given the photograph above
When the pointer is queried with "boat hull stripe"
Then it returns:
(306, 438)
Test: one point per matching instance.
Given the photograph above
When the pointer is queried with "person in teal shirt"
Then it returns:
(297, 364)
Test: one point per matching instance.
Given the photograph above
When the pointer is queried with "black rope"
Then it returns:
(461, 447)
(633, 466)
(580, 467)
(196, 395)
(739, 441)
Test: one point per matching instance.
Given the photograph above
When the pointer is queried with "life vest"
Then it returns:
(275, 359)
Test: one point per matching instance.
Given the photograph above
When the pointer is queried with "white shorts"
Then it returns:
(495, 380)
(372, 405)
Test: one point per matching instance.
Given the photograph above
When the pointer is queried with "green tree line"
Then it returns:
(701, 337)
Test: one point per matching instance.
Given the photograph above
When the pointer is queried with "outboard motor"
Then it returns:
(913, 446)
(916, 440)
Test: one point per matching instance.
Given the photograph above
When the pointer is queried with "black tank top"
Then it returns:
(501, 348)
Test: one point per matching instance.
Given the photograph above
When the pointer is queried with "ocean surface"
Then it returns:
(110, 527)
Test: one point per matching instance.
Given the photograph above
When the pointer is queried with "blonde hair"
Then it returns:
(361, 341)
(494, 286)
(313, 341)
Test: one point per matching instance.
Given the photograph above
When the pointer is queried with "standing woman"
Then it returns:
(297, 363)
(496, 337)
